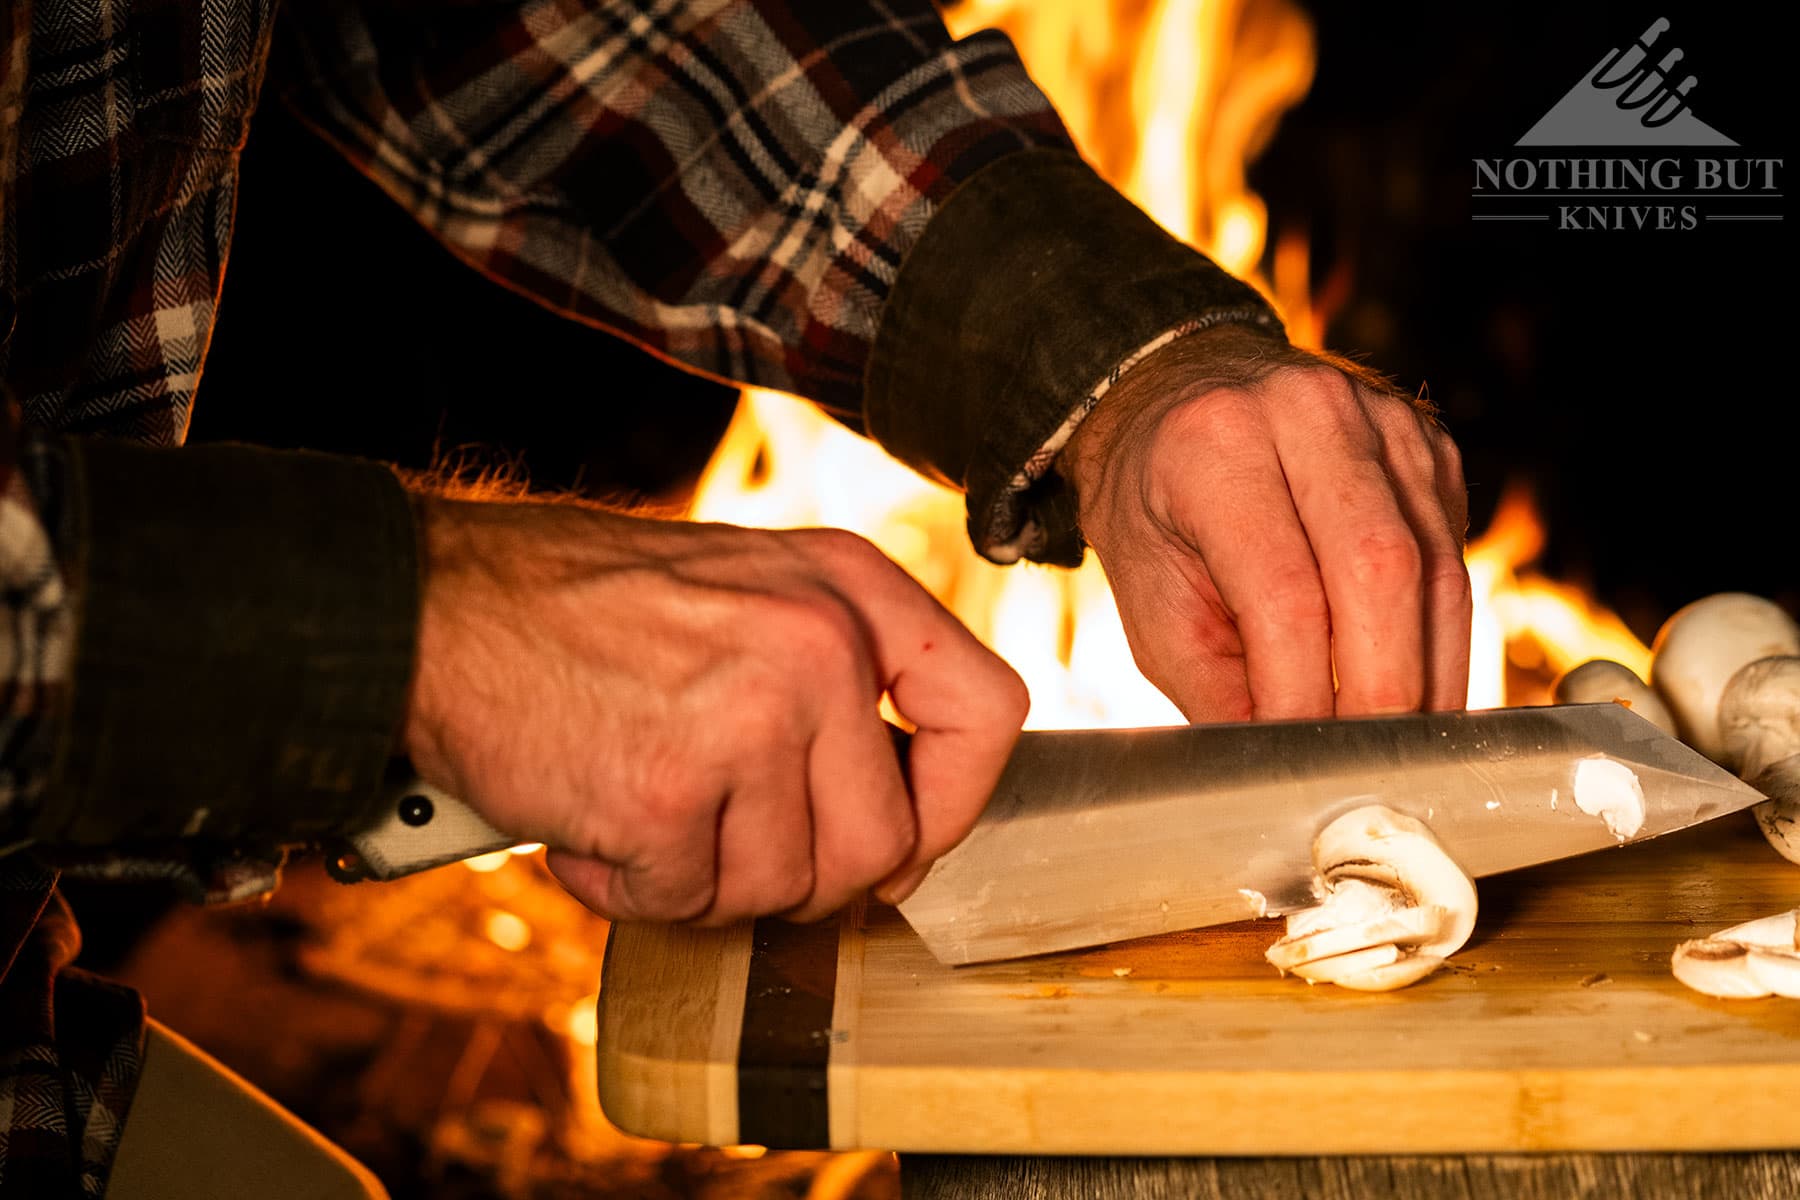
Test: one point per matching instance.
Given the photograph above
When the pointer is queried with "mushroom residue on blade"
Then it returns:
(1610, 790)
(1259, 903)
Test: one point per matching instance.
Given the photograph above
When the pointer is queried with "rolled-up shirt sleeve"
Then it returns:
(207, 646)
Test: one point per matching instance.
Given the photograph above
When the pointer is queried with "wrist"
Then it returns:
(1124, 425)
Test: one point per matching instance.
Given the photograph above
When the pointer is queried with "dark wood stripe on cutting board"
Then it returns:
(786, 1041)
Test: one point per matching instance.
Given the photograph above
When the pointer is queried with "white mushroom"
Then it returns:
(1779, 819)
(1759, 725)
(1748, 961)
(1759, 715)
(1599, 680)
(1393, 905)
(1702, 646)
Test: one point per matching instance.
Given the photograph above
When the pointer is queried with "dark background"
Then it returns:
(1640, 382)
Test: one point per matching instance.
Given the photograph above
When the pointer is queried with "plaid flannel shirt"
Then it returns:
(732, 184)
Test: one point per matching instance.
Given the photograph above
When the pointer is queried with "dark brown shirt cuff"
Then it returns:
(1030, 291)
(244, 645)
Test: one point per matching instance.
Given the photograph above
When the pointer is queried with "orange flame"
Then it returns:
(1538, 626)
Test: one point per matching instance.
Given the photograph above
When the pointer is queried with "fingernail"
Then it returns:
(897, 889)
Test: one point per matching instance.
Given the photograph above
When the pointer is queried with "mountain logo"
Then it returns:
(1628, 100)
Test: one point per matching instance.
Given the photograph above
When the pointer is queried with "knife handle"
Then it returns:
(418, 826)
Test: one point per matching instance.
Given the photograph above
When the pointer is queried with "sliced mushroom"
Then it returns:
(1393, 905)
(1748, 961)
(1701, 647)
(1717, 968)
(1600, 680)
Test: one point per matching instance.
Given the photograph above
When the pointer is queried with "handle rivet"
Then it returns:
(416, 810)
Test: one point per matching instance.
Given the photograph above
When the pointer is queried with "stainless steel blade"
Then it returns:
(1095, 836)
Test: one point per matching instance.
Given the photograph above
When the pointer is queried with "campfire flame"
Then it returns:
(1529, 629)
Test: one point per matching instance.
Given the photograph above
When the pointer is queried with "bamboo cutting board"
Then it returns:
(1558, 1027)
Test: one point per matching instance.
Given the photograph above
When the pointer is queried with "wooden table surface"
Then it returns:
(1764, 1176)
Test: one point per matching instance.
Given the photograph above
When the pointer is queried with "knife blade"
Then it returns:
(1098, 836)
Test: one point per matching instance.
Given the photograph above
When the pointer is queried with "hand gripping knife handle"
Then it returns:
(416, 827)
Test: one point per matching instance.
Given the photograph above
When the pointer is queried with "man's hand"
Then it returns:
(686, 714)
(1265, 515)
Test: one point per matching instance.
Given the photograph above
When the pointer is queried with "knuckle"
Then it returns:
(1386, 559)
(792, 892)
(814, 632)
(765, 722)
(895, 848)
(1294, 598)
(665, 792)
(1451, 457)
(651, 903)
(843, 549)
(1010, 697)
(1328, 387)
(1224, 416)
(1447, 582)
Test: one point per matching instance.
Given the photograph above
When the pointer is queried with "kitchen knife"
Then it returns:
(1095, 836)
(1098, 836)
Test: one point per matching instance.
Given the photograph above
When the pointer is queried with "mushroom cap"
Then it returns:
(1599, 680)
(1776, 932)
(1779, 816)
(1759, 714)
(1379, 844)
(1702, 646)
